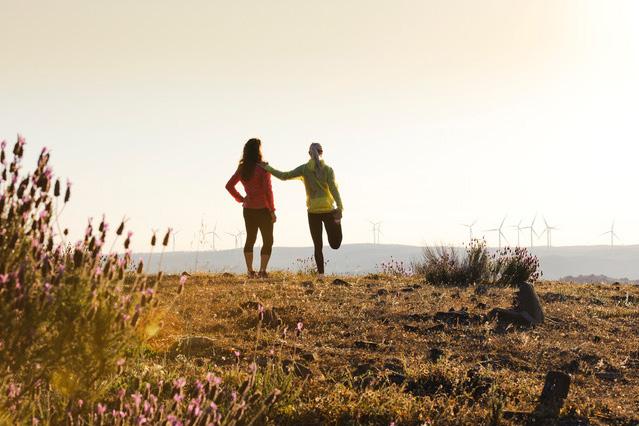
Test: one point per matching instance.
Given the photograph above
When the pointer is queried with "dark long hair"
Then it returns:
(251, 156)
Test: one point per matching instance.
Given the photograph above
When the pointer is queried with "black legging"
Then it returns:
(333, 230)
(254, 219)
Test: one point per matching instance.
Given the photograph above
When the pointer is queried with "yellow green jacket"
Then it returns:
(321, 194)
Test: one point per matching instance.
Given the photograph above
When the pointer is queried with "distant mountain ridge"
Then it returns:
(556, 262)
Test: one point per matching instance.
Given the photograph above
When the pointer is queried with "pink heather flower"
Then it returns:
(121, 393)
(21, 140)
(234, 396)
(69, 183)
(300, 326)
(183, 279)
(4, 278)
(179, 383)
(213, 406)
(101, 409)
(80, 403)
(237, 353)
(271, 352)
(98, 271)
(35, 421)
(3, 144)
(177, 397)
(141, 420)
(137, 399)
(147, 407)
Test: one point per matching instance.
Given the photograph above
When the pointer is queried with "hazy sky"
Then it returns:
(432, 113)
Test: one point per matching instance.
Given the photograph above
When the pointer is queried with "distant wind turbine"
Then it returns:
(500, 233)
(470, 229)
(532, 231)
(376, 230)
(173, 234)
(214, 235)
(238, 238)
(519, 228)
(612, 234)
(548, 232)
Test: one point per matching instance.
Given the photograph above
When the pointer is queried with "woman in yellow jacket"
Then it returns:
(322, 200)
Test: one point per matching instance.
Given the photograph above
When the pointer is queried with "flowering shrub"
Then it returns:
(512, 266)
(442, 265)
(208, 401)
(67, 314)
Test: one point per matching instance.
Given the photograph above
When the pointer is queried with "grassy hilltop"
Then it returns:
(369, 351)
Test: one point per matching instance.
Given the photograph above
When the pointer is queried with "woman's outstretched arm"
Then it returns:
(230, 187)
(332, 186)
(293, 174)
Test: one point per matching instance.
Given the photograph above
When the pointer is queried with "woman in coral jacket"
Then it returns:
(259, 209)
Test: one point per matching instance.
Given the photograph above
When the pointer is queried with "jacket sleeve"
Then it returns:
(293, 174)
(332, 186)
(269, 192)
(230, 187)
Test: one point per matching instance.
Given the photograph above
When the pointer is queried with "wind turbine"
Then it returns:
(238, 238)
(470, 229)
(519, 228)
(499, 231)
(214, 235)
(173, 234)
(376, 231)
(548, 232)
(532, 231)
(612, 233)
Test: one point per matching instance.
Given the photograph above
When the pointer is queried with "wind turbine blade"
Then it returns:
(504, 237)
(502, 222)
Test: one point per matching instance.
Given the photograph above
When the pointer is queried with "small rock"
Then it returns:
(435, 354)
(436, 328)
(457, 317)
(271, 318)
(363, 369)
(411, 328)
(481, 289)
(194, 346)
(382, 292)
(340, 282)
(363, 344)
(309, 356)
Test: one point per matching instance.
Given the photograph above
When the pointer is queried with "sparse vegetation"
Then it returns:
(445, 265)
(88, 339)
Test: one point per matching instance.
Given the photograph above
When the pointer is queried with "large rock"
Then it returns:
(553, 395)
(526, 311)
(526, 300)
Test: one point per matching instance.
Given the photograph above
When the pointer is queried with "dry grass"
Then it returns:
(368, 347)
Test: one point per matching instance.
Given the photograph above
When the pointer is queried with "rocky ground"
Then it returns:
(371, 350)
